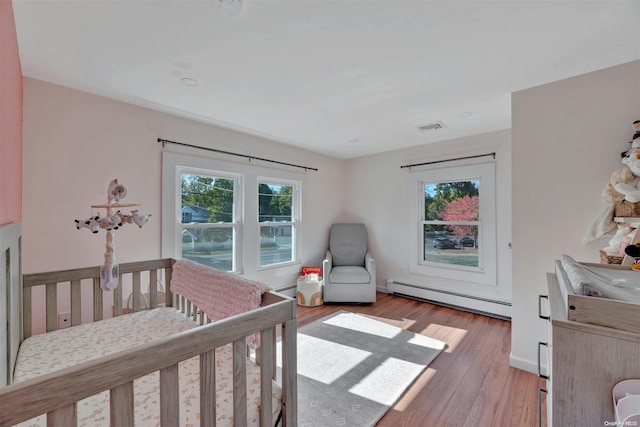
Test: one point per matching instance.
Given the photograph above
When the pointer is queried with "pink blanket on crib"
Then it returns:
(219, 294)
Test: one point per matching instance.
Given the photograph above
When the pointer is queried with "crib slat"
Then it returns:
(76, 303)
(266, 375)
(289, 369)
(153, 288)
(52, 307)
(97, 300)
(168, 295)
(117, 300)
(136, 291)
(63, 417)
(121, 406)
(240, 382)
(208, 389)
(169, 394)
(26, 312)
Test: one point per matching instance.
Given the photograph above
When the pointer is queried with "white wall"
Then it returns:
(376, 194)
(567, 139)
(75, 143)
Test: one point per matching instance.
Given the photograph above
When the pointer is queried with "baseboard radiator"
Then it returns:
(457, 300)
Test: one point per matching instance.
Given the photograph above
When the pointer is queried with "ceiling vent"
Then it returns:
(431, 127)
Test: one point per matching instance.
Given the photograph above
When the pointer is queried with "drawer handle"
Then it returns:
(546, 377)
(540, 391)
(540, 307)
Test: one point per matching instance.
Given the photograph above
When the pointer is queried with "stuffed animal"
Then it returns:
(140, 219)
(90, 223)
(636, 128)
(109, 223)
(634, 252)
(619, 241)
(622, 175)
(124, 219)
(116, 192)
(631, 190)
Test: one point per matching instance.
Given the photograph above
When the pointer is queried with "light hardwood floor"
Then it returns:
(470, 383)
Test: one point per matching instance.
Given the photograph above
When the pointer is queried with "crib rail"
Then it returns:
(57, 394)
(51, 281)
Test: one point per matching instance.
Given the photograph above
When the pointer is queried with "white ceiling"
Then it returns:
(343, 78)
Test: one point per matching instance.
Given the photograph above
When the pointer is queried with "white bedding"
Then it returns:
(602, 282)
(46, 353)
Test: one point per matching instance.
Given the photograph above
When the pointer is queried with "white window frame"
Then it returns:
(247, 248)
(235, 225)
(485, 273)
(296, 209)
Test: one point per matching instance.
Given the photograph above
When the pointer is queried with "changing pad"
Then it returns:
(602, 282)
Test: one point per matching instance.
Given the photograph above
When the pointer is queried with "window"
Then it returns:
(234, 217)
(208, 226)
(277, 220)
(451, 223)
(454, 210)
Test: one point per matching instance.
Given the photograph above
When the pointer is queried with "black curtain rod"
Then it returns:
(449, 160)
(166, 141)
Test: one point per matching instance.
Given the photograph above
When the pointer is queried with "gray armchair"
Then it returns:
(349, 271)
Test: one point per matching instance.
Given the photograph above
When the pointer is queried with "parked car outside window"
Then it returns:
(443, 243)
(467, 242)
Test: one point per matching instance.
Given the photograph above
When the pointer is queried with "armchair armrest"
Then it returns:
(370, 266)
(327, 265)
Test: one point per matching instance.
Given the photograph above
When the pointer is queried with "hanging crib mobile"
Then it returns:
(112, 220)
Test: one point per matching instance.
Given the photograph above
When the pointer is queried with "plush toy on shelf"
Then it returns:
(621, 195)
(619, 242)
(631, 190)
(633, 251)
(622, 175)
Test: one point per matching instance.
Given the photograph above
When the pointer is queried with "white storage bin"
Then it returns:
(626, 402)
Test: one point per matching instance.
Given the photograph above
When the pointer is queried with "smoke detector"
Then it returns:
(431, 127)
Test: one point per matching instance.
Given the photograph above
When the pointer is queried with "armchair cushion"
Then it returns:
(348, 244)
(349, 274)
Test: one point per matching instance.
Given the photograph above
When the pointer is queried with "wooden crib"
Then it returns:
(56, 394)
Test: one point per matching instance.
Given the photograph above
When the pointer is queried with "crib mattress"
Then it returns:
(42, 354)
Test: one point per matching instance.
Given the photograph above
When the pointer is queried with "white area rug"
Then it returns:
(352, 369)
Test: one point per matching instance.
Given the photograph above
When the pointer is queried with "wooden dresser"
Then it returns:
(584, 362)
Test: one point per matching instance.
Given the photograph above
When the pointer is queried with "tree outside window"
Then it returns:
(277, 222)
(451, 222)
(207, 207)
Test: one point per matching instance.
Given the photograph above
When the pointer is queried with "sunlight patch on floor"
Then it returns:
(398, 323)
(336, 362)
(387, 382)
(415, 390)
(452, 336)
(364, 325)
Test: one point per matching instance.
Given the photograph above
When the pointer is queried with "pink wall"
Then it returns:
(75, 143)
(10, 119)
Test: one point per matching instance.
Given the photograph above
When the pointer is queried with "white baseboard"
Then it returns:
(526, 365)
(501, 309)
